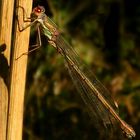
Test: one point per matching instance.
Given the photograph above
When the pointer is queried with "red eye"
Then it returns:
(38, 10)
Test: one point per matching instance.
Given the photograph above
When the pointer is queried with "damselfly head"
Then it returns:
(38, 10)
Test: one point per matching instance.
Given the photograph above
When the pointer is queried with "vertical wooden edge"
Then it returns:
(6, 19)
(18, 77)
(3, 109)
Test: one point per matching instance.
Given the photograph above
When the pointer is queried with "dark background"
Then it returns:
(105, 34)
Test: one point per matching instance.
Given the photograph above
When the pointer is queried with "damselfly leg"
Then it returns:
(26, 19)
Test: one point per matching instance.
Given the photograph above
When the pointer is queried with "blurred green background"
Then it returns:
(105, 34)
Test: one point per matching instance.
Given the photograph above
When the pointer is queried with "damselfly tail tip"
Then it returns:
(131, 134)
(128, 130)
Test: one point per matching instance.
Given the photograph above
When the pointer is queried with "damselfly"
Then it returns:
(100, 105)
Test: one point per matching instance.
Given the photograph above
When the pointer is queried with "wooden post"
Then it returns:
(18, 78)
(6, 19)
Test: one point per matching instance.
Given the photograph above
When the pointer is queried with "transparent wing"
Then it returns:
(70, 52)
(100, 115)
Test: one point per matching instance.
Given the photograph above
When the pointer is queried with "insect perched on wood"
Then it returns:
(100, 105)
